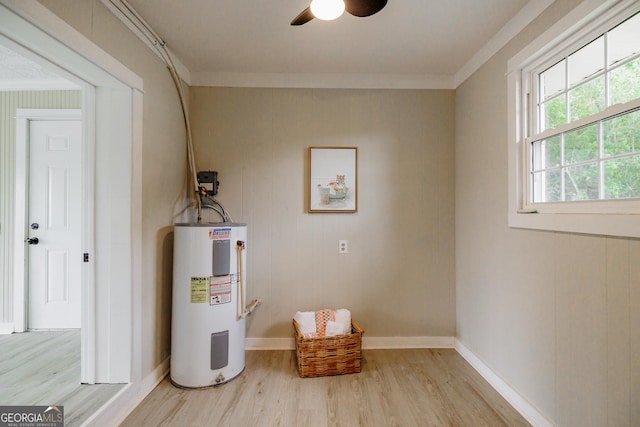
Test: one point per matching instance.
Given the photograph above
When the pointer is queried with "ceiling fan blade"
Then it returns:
(364, 8)
(304, 17)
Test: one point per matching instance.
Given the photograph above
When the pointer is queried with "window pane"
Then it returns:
(547, 186)
(624, 40)
(546, 153)
(586, 62)
(621, 134)
(622, 178)
(581, 182)
(581, 145)
(587, 99)
(552, 81)
(623, 82)
(597, 152)
(554, 113)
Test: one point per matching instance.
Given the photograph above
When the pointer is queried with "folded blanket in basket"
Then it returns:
(307, 322)
(343, 316)
(322, 317)
(324, 322)
(335, 328)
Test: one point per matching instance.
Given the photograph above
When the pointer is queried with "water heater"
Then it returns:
(208, 311)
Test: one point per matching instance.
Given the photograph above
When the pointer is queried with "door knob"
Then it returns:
(32, 241)
(35, 226)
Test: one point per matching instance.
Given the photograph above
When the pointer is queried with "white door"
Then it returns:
(55, 258)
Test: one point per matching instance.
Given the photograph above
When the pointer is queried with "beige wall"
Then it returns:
(163, 168)
(398, 277)
(555, 315)
(10, 101)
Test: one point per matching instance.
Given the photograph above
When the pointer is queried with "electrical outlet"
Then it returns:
(343, 246)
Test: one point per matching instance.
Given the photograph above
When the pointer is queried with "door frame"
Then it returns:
(112, 118)
(24, 117)
(22, 163)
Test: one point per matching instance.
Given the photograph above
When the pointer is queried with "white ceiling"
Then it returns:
(410, 42)
(17, 72)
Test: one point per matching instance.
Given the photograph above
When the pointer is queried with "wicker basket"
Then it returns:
(335, 355)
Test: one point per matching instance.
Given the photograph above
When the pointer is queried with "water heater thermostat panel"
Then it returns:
(209, 180)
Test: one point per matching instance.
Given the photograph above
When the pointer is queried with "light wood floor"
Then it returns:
(415, 387)
(43, 368)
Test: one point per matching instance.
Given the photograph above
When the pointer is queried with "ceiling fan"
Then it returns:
(332, 9)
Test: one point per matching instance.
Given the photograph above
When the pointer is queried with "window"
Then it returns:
(586, 139)
(575, 122)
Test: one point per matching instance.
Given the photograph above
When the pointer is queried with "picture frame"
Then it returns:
(333, 180)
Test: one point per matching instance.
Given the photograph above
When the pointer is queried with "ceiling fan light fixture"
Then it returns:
(327, 9)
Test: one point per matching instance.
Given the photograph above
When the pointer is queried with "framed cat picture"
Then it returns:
(333, 180)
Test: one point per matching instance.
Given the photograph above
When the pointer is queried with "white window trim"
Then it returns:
(590, 217)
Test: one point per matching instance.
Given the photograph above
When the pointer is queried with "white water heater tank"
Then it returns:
(207, 326)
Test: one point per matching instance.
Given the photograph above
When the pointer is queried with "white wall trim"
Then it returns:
(368, 343)
(19, 225)
(118, 408)
(520, 404)
(136, 238)
(88, 331)
(269, 344)
(6, 328)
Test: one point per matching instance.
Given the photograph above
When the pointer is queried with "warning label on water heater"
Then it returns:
(199, 289)
(220, 290)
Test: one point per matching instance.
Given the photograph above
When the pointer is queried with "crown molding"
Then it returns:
(511, 29)
(325, 81)
(127, 19)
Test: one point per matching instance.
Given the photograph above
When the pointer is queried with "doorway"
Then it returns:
(111, 195)
(55, 213)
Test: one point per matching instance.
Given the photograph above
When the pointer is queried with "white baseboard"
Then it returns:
(114, 412)
(6, 328)
(269, 344)
(368, 343)
(522, 405)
